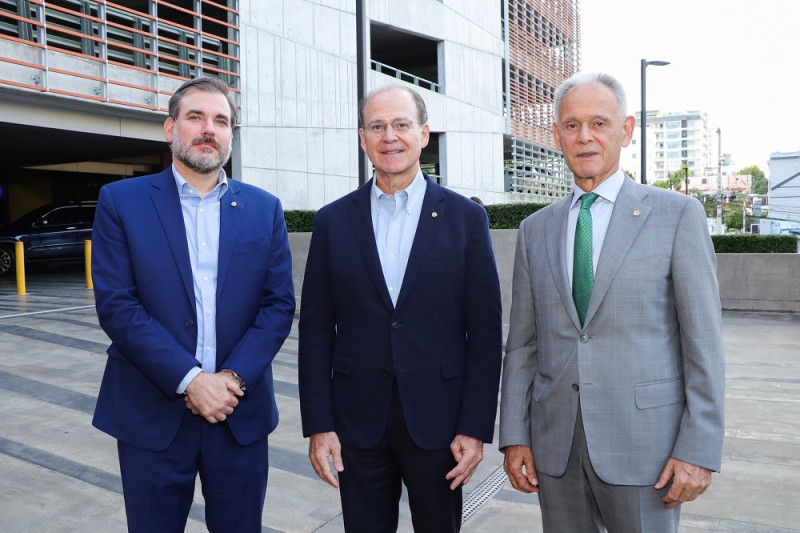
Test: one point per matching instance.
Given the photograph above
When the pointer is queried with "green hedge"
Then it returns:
(754, 244)
(298, 221)
(501, 216)
(509, 216)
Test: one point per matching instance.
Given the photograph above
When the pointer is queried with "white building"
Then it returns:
(784, 194)
(674, 141)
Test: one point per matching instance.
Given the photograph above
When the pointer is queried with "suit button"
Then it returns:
(584, 338)
(189, 323)
(387, 372)
(395, 325)
(575, 387)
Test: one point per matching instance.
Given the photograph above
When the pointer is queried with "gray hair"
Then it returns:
(206, 84)
(422, 110)
(589, 78)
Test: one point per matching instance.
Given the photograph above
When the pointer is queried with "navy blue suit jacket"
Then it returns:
(145, 303)
(442, 341)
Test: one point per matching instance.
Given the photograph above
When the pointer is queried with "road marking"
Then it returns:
(48, 311)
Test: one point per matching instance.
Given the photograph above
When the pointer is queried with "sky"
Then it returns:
(736, 60)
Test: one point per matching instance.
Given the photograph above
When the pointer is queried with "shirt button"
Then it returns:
(202, 244)
(391, 289)
(205, 278)
(202, 210)
(584, 338)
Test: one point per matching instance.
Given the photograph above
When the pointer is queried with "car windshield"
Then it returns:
(29, 218)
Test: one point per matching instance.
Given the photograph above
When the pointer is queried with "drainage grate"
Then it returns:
(485, 491)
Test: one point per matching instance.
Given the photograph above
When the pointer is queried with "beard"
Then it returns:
(204, 162)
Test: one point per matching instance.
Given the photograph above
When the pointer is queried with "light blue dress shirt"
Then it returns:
(601, 211)
(201, 220)
(394, 220)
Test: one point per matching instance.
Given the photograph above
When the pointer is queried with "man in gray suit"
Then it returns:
(613, 381)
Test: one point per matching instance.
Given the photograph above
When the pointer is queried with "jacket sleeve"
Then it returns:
(694, 275)
(136, 336)
(263, 338)
(484, 334)
(317, 332)
(520, 362)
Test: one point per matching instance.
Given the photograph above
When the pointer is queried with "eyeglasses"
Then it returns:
(378, 129)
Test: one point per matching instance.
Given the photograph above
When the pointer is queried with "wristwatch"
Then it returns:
(237, 377)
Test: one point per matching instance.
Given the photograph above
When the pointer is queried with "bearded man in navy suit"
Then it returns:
(193, 285)
(400, 332)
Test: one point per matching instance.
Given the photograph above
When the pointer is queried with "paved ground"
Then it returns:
(58, 474)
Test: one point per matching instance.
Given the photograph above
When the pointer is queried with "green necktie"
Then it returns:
(582, 272)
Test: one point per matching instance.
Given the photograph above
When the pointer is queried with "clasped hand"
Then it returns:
(213, 396)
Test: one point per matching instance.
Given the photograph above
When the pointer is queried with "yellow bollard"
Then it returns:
(19, 252)
(87, 255)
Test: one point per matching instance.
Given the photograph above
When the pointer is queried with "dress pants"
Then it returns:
(580, 502)
(159, 486)
(371, 483)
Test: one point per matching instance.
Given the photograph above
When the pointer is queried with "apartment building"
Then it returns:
(674, 141)
(84, 86)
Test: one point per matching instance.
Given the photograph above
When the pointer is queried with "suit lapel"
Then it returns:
(168, 206)
(361, 218)
(431, 217)
(629, 215)
(556, 228)
(231, 210)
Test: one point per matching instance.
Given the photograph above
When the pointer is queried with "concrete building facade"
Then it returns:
(84, 86)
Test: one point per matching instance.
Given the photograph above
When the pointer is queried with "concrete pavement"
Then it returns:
(59, 474)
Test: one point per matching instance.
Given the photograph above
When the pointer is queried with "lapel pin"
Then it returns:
(434, 214)
(233, 204)
(636, 213)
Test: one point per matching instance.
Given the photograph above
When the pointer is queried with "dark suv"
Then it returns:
(50, 233)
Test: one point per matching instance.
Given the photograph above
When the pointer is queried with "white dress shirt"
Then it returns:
(394, 220)
(201, 220)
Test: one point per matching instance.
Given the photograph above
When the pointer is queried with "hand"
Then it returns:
(520, 469)
(321, 446)
(688, 482)
(212, 396)
(468, 453)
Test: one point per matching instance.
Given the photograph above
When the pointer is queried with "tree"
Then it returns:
(758, 182)
(674, 181)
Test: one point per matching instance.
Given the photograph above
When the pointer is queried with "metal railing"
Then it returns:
(405, 76)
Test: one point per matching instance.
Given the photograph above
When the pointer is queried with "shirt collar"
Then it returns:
(608, 189)
(415, 192)
(184, 189)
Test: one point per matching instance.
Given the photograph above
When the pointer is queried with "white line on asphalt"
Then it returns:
(48, 311)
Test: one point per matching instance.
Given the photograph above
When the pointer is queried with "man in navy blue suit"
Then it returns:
(193, 285)
(400, 332)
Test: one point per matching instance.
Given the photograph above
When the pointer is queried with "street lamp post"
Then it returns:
(686, 177)
(719, 181)
(643, 117)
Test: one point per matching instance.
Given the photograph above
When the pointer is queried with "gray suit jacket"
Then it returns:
(648, 365)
